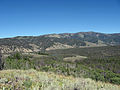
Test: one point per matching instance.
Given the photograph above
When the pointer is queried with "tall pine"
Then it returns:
(1, 63)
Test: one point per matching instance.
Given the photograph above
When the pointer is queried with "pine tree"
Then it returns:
(1, 63)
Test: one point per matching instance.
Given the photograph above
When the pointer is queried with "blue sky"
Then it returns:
(37, 17)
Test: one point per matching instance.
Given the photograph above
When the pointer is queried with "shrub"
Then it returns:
(27, 83)
(115, 80)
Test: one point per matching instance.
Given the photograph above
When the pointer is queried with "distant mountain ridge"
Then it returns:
(58, 41)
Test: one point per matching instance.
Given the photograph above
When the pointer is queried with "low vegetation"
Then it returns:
(35, 80)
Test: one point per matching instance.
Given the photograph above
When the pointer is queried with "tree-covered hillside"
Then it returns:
(57, 41)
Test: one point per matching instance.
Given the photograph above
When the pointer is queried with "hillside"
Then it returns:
(92, 68)
(97, 63)
(35, 80)
(58, 41)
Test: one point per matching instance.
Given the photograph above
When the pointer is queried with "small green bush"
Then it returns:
(27, 83)
(115, 80)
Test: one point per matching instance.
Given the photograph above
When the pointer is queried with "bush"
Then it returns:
(17, 55)
(27, 83)
(41, 53)
(115, 80)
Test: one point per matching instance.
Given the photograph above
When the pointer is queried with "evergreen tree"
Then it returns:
(1, 63)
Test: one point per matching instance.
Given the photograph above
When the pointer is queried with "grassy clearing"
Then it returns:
(34, 80)
(74, 58)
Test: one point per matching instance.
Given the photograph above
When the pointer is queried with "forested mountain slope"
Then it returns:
(58, 41)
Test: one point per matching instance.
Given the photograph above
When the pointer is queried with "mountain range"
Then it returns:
(58, 41)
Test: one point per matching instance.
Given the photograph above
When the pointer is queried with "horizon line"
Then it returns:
(56, 33)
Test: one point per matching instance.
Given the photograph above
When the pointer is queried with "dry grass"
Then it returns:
(74, 58)
(34, 80)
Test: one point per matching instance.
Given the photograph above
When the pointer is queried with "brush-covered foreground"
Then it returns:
(36, 80)
(104, 69)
